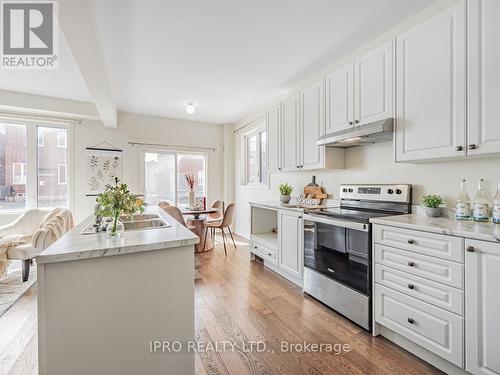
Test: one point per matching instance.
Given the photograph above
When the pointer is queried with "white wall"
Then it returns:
(147, 129)
(369, 164)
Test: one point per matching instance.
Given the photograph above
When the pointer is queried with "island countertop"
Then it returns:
(76, 246)
(442, 225)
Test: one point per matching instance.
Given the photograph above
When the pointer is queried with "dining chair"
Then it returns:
(227, 220)
(176, 214)
(216, 216)
(164, 204)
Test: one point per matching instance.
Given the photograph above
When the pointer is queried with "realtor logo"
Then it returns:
(29, 35)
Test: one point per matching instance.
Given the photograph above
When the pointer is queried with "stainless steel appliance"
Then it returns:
(379, 131)
(338, 247)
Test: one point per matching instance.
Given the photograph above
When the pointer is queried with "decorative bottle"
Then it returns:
(481, 204)
(496, 205)
(463, 210)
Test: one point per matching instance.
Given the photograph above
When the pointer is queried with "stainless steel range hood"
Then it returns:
(379, 131)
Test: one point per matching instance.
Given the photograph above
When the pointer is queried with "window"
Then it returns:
(33, 171)
(256, 157)
(61, 139)
(62, 174)
(165, 177)
(18, 174)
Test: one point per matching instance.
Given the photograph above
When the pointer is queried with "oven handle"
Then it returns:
(339, 223)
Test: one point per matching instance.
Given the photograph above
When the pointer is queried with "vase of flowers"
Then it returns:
(117, 201)
(190, 183)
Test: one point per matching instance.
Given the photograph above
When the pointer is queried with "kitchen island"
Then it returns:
(102, 301)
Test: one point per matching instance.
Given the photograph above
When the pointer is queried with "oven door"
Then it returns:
(339, 250)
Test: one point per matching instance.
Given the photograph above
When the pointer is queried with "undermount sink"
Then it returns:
(137, 222)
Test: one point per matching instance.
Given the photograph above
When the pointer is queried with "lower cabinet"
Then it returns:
(290, 243)
(281, 250)
(482, 307)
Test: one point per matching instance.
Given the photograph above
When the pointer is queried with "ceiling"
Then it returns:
(229, 57)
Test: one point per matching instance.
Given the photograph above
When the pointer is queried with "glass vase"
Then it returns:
(115, 228)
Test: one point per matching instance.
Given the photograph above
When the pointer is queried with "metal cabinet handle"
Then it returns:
(411, 286)
(357, 121)
(459, 148)
(472, 146)
(411, 242)
(350, 123)
(411, 264)
(411, 321)
(470, 249)
(269, 254)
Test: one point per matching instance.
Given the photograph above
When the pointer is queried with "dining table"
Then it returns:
(196, 220)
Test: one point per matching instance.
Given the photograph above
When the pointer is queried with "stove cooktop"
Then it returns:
(361, 216)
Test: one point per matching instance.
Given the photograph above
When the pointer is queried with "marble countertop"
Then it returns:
(285, 206)
(443, 225)
(75, 246)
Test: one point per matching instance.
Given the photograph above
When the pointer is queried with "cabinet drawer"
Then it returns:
(436, 245)
(265, 252)
(436, 294)
(434, 269)
(435, 329)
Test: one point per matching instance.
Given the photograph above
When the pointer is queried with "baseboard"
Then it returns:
(421, 352)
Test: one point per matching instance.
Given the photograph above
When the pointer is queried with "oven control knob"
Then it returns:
(350, 190)
(398, 191)
(390, 191)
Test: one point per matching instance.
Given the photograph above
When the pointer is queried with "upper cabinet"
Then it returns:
(340, 99)
(374, 85)
(431, 94)
(362, 91)
(484, 76)
(290, 134)
(273, 125)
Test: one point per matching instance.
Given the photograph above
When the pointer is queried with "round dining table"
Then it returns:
(197, 222)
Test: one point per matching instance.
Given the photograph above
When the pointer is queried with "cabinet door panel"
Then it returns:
(339, 99)
(482, 307)
(373, 76)
(290, 244)
(312, 125)
(431, 100)
(484, 76)
(274, 140)
(289, 133)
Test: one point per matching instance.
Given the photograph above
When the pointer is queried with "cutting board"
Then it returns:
(318, 192)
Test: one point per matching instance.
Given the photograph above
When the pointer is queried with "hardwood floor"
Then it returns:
(244, 306)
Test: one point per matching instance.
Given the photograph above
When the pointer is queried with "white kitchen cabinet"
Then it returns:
(290, 134)
(373, 85)
(431, 88)
(484, 76)
(311, 125)
(482, 307)
(291, 252)
(340, 99)
(273, 125)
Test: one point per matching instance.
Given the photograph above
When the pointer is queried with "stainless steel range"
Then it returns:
(338, 247)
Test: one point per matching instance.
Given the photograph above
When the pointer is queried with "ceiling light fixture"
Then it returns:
(190, 108)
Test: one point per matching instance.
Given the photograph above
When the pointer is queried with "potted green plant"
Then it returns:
(285, 190)
(117, 201)
(432, 204)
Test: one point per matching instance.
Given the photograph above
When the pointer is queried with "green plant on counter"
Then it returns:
(285, 189)
(432, 201)
(118, 200)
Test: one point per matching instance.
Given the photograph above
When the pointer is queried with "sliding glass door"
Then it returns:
(165, 177)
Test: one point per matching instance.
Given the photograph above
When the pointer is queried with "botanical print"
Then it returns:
(102, 168)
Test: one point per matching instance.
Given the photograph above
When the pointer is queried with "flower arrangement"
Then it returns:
(190, 180)
(116, 201)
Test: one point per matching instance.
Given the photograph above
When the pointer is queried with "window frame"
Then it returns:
(31, 124)
(175, 153)
(23, 173)
(256, 131)
(65, 145)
